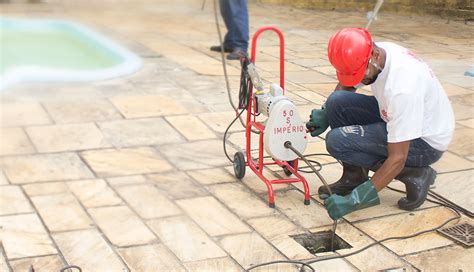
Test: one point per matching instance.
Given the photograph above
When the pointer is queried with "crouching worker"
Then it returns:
(398, 132)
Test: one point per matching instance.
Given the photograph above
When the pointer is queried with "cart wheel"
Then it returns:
(287, 172)
(239, 165)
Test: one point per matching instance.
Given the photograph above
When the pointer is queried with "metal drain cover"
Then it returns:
(461, 233)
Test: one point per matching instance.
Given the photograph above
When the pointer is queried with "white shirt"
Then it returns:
(411, 100)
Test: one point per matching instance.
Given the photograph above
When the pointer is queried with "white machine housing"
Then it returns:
(283, 124)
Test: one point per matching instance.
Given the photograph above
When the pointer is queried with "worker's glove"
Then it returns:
(363, 196)
(318, 122)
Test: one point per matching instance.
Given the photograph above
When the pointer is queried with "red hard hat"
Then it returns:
(349, 51)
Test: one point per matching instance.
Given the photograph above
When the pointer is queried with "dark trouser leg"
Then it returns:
(360, 138)
(235, 15)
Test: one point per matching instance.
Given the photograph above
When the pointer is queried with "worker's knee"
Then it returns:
(335, 143)
(335, 102)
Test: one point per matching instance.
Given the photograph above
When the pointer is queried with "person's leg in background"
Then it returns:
(229, 42)
(237, 37)
(235, 15)
(226, 12)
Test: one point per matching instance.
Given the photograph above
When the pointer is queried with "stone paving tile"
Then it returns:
(94, 193)
(453, 258)
(318, 146)
(327, 70)
(61, 212)
(306, 77)
(23, 114)
(330, 172)
(293, 93)
(139, 132)
(213, 217)
(127, 180)
(13, 201)
(277, 230)
(121, 226)
(48, 167)
(257, 185)
(219, 121)
(147, 106)
(309, 216)
(187, 241)
(239, 139)
(127, 161)
(462, 112)
(212, 176)
(191, 127)
(150, 258)
(388, 205)
(261, 250)
(468, 123)
(15, 142)
(451, 162)
(463, 143)
(313, 97)
(405, 224)
(455, 187)
(3, 179)
(335, 265)
(308, 62)
(24, 236)
(452, 90)
(46, 263)
(176, 185)
(214, 265)
(71, 137)
(274, 66)
(240, 200)
(380, 258)
(197, 155)
(324, 89)
(4, 265)
(47, 188)
(76, 248)
(81, 111)
(148, 201)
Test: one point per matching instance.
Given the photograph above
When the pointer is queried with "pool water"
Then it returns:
(53, 50)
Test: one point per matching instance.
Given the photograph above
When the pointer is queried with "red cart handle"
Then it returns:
(282, 50)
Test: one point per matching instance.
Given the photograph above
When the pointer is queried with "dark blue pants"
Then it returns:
(236, 19)
(359, 135)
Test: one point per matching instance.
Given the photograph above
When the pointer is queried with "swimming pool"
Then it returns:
(58, 51)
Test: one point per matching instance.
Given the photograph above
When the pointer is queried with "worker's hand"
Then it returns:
(318, 122)
(363, 196)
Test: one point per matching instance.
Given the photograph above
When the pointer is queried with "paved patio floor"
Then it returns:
(129, 174)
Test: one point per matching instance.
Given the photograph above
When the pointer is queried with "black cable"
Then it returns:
(301, 169)
(71, 267)
(304, 264)
(440, 202)
(458, 216)
(225, 135)
(245, 84)
(289, 146)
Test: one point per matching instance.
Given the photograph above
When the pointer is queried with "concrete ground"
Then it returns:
(129, 173)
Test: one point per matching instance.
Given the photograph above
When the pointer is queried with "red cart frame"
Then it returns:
(257, 168)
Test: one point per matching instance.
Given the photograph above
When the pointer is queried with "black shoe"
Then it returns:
(417, 182)
(352, 176)
(218, 48)
(236, 54)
